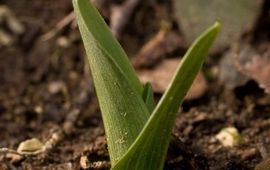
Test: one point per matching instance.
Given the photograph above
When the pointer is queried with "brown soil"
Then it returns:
(43, 82)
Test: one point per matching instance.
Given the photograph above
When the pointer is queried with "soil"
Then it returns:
(44, 82)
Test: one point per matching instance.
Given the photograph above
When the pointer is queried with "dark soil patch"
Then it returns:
(42, 82)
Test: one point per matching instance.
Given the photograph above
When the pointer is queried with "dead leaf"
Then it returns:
(229, 75)
(162, 74)
(164, 42)
(256, 66)
(237, 17)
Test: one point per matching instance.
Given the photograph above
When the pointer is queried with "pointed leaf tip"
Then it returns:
(118, 88)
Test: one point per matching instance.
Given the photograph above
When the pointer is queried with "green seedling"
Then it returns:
(138, 134)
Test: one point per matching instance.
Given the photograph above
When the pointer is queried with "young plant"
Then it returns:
(137, 134)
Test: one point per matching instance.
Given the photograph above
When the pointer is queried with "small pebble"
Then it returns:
(229, 137)
(84, 162)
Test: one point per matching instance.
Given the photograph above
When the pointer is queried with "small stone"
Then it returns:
(56, 87)
(84, 162)
(229, 137)
(63, 42)
(38, 109)
(100, 165)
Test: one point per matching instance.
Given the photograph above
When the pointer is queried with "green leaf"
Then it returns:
(149, 150)
(148, 96)
(93, 27)
(118, 89)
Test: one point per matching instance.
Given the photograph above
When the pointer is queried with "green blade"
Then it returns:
(148, 96)
(117, 86)
(96, 30)
(149, 150)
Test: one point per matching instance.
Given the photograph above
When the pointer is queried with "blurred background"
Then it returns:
(47, 96)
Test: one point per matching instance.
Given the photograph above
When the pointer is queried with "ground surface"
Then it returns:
(45, 84)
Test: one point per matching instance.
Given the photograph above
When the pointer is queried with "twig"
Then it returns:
(59, 26)
(13, 24)
(11, 154)
(58, 135)
(121, 14)
(5, 151)
(262, 149)
(70, 121)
